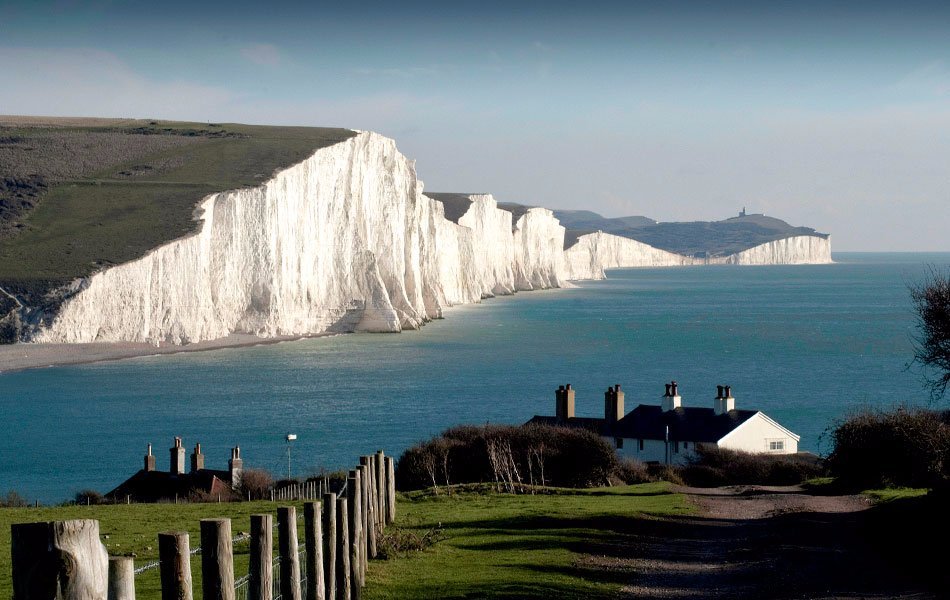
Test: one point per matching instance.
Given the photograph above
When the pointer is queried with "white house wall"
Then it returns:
(653, 450)
(755, 434)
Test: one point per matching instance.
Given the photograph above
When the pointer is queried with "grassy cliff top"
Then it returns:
(77, 195)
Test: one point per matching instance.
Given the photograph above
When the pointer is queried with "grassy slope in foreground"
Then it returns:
(135, 196)
(506, 546)
(134, 528)
(495, 545)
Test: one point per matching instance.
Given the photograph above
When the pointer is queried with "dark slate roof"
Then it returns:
(153, 486)
(649, 422)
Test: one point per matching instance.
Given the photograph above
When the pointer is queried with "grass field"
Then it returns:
(116, 189)
(506, 546)
(494, 545)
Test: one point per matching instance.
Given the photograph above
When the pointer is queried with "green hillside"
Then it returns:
(715, 238)
(77, 195)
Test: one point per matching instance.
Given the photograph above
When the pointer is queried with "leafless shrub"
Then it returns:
(396, 541)
(256, 484)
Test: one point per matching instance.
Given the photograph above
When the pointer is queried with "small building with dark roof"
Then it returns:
(669, 432)
(151, 485)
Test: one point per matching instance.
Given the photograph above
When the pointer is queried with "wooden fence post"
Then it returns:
(380, 478)
(357, 546)
(61, 559)
(121, 578)
(374, 514)
(175, 568)
(289, 561)
(217, 560)
(313, 533)
(260, 585)
(330, 544)
(369, 528)
(343, 583)
(390, 490)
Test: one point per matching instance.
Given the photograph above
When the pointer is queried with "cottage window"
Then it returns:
(618, 442)
(640, 444)
(685, 445)
(776, 444)
(676, 447)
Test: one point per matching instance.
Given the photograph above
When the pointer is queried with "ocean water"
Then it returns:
(805, 344)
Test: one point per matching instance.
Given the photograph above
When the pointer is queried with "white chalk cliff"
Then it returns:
(595, 252)
(796, 250)
(346, 241)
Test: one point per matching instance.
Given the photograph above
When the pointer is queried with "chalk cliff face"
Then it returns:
(538, 251)
(346, 241)
(798, 250)
(595, 252)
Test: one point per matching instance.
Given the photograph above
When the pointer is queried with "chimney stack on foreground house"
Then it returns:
(236, 467)
(177, 463)
(149, 460)
(564, 407)
(197, 459)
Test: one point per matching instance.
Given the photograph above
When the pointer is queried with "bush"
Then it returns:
(13, 500)
(510, 456)
(712, 466)
(86, 497)
(661, 472)
(256, 484)
(891, 449)
(631, 471)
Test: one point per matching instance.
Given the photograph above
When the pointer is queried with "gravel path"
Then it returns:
(754, 542)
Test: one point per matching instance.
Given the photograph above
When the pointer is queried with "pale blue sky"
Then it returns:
(833, 117)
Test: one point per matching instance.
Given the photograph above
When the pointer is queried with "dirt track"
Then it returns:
(756, 542)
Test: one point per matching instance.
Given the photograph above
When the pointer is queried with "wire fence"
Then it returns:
(241, 584)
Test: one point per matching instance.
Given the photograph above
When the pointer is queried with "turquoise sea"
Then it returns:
(805, 344)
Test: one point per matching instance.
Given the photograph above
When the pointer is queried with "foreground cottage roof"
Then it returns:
(151, 485)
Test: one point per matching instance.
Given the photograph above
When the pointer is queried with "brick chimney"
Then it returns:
(672, 399)
(724, 401)
(197, 459)
(236, 467)
(149, 460)
(564, 406)
(613, 405)
(177, 464)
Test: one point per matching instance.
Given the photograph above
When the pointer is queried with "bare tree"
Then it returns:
(932, 345)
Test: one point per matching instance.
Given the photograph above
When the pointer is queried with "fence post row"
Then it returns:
(313, 532)
(287, 547)
(261, 569)
(342, 552)
(66, 559)
(391, 489)
(217, 560)
(330, 544)
(355, 516)
(121, 578)
(175, 568)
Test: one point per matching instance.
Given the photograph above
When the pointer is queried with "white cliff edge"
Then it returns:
(343, 241)
(346, 241)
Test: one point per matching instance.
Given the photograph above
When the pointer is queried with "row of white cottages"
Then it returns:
(669, 433)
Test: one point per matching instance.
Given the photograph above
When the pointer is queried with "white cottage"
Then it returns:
(669, 433)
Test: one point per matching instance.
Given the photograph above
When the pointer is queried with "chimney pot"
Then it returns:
(568, 386)
(667, 393)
